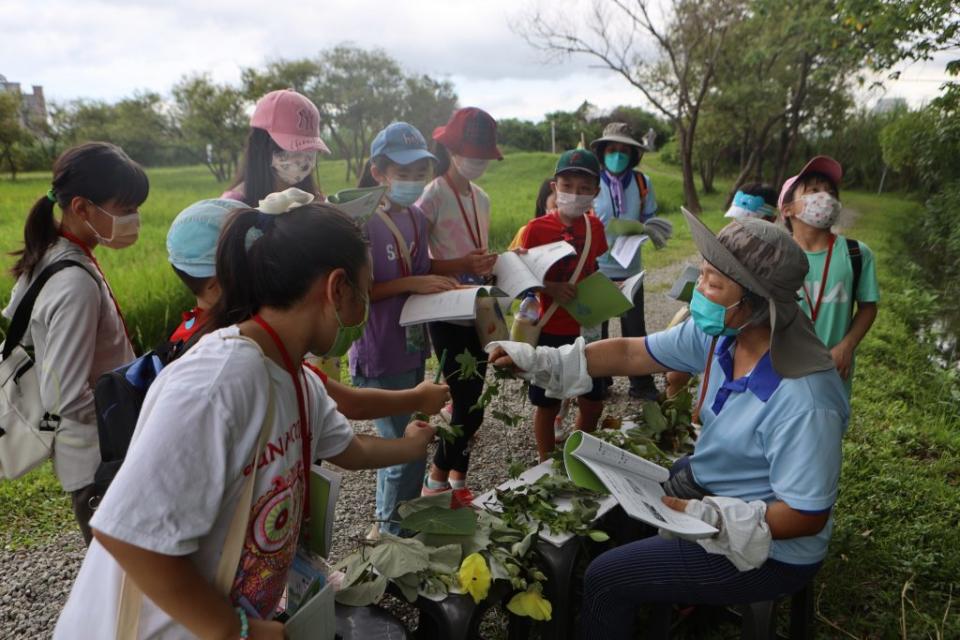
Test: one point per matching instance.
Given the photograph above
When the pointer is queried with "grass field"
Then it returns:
(894, 561)
(152, 297)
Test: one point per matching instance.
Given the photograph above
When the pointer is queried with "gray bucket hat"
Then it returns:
(763, 258)
(618, 132)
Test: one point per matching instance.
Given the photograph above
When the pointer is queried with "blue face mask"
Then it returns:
(405, 192)
(711, 316)
(616, 161)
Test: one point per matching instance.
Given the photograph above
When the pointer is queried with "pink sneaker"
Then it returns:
(426, 490)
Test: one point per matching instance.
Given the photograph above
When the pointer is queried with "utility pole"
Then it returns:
(553, 137)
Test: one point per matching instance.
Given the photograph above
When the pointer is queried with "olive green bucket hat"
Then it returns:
(762, 258)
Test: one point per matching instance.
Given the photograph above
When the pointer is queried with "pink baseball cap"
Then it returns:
(291, 120)
(820, 164)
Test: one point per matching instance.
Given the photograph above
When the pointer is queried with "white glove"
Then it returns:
(561, 372)
(659, 230)
(744, 536)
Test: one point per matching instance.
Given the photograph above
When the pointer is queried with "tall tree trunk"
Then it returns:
(690, 198)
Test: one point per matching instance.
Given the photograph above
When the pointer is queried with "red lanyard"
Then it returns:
(463, 212)
(86, 250)
(815, 308)
(301, 409)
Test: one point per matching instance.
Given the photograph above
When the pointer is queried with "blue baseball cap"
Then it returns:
(401, 143)
(192, 238)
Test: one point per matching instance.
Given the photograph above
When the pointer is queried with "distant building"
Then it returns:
(33, 107)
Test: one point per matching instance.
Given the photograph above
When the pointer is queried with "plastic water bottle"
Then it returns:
(529, 308)
(524, 323)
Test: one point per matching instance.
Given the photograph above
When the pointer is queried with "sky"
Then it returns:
(107, 49)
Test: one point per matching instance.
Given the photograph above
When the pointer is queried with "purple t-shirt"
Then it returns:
(386, 348)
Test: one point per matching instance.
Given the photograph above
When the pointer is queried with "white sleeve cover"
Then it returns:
(561, 372)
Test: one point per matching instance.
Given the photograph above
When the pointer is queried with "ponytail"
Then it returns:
(98, 171)
(273, 260)
(39, 233)
(237, 301)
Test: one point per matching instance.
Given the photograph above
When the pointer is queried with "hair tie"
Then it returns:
(51, 196)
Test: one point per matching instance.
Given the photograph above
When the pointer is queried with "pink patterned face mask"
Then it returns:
(820, 210)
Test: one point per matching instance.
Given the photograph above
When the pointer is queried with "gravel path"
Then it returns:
(35, 582)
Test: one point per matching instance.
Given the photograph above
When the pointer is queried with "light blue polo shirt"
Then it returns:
(764, 437)
(603, 209)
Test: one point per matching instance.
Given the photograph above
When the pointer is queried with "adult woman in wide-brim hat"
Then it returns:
(626, 196)
(766, 466)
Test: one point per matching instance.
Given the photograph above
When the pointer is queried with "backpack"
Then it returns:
(856, 264)
(644, 190)
(26, 429)
(118, 398)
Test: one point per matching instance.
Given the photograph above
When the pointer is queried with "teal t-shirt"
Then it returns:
(836, 304)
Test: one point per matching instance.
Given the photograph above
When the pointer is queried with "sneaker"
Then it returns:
(426, 490)
(462, 497)
(446, 414)
(560, 429)
(374, 534)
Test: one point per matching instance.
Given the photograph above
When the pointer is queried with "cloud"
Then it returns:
(110, 48)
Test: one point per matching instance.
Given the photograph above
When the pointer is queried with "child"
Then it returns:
(191, 249)
(458, 212)
(625, 195)
(389, 356)
(546, 201)
(281, 149)
(841, 270)
(576, 185)
(291, 283)
(76, 328)
(754, 200)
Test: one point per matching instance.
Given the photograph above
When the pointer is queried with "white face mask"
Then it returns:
(470, 168)
(124, 230)
(572, 205)
(819, 210)
(291, 167)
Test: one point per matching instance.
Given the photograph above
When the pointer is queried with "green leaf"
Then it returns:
(394, 557)
(653, 416)
(468, 365)
(363, 594)
(445, 559)
(408, 585)
(440, 500)
(521, 548)
(598, 536)
(355, 570)
(455, 522)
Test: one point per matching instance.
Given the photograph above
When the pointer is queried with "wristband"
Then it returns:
(244, 623)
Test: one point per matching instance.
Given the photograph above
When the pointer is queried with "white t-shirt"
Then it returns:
(77, 336)
(449, 234)
(177, 489)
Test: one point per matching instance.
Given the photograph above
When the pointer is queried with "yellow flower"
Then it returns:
(531, 603)
(475, 576)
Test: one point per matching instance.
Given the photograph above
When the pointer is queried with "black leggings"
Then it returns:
(465, 393)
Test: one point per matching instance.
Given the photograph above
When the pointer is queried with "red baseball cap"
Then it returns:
(819, 164)
(291, 120)
(472, 133)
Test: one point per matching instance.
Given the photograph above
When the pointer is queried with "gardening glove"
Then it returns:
(621, 227)
(659, 230)
(744, 536)
(560, 372)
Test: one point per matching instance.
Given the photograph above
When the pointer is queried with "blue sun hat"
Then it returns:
(192, 238)
(745, 205)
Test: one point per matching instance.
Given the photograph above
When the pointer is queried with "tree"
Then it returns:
(12, 134)
(677, 80)
(521, 134)
(427, 103)
(358, 92)
(211, 122)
